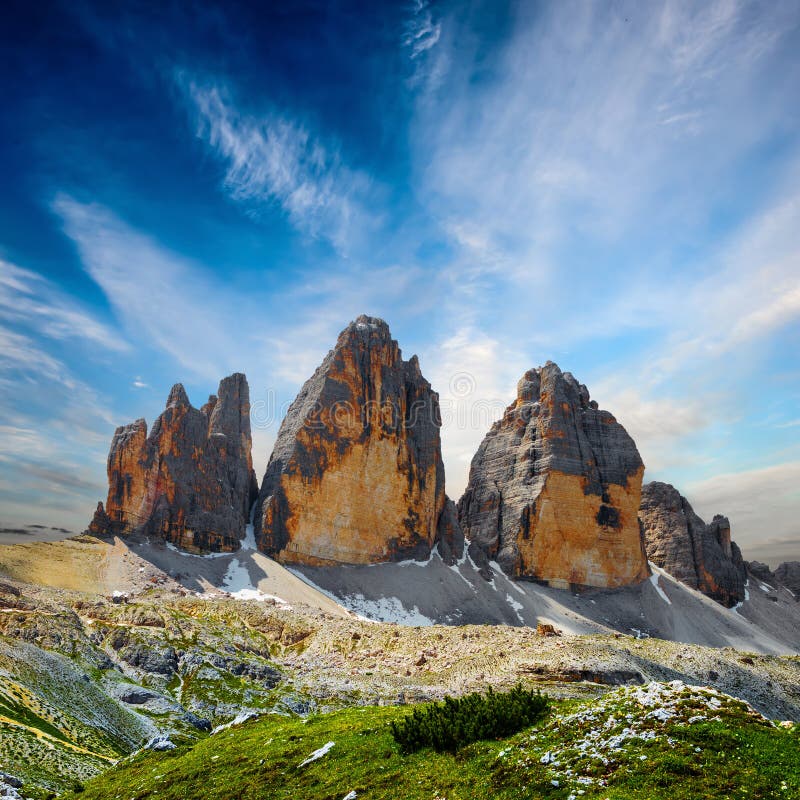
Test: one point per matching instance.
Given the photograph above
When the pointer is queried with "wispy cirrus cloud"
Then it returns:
(180, 307)
(48, 416)
(30, 299)
(421, 31)
(562, 130)
(272, 159)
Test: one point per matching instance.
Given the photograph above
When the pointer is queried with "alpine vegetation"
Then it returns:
(449, 725)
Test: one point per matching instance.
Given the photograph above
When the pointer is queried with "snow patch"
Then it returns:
(517, 607)
(736, 608)
(385, 609)
(180, 552)
(239, 719)
(661, 592)
(410, 562)
(238, 584)
(318, 753)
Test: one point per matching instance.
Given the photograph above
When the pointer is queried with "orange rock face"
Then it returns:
(191, 480)
(356, 476)
(554, 489)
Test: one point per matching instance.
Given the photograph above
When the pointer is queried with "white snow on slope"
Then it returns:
(661, 592)
(174, 549)
(736, 608)
(318, 753)
(239, 719)
(238, 584)
(237, 581)
(385, 609)
(517, 608)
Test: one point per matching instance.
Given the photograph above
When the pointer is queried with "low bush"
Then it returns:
(455, 722)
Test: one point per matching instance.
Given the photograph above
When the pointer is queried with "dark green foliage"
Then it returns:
(455, 722)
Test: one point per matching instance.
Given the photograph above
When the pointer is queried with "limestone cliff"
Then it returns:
(761, 572)
(191, 480)
(554, 489)
(677, 540)
(356, 476)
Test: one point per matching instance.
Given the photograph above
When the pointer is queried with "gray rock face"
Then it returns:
(701, 556)
(356, 475)
(788, 574)
(761, 572)
(554, 489)
(191, 480)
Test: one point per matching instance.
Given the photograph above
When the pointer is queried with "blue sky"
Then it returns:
(613, 186)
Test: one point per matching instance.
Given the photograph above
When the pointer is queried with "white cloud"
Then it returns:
(476, 377)
(54, 434)
(30, 299)
(157, 294)
(422, 32)
(274, 159)
(761, 504)
(561, 132)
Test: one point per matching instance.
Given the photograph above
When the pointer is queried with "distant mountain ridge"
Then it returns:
(356, 477)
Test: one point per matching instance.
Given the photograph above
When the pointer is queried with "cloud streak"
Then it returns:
(30, 299)
(761, 504)
(272, 159)
(181, 308)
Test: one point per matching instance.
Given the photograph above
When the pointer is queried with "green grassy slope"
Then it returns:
(657, 741)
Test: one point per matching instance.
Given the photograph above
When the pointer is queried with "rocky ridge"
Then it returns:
(191, 480)
(698, 554)
(554, 489)
(356, 475)
(788, 574)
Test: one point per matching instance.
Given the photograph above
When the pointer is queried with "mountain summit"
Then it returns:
(191, 480)
(554, 489)
(356, 476)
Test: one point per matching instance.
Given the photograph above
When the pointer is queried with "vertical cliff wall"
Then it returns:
(356, 475)
(190, 480)
(554, 489)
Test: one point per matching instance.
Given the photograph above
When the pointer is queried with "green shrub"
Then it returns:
(458, 721)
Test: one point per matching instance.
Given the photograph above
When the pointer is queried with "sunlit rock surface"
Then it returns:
(356, 476)
(191, 480)
(554, 489)
(677, 540)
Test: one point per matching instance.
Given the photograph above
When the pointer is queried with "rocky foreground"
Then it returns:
(88, 679)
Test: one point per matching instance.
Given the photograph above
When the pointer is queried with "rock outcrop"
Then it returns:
(356, 476)
(761, 572)
(554, 489)
(699, 554)
(191, 480)
(788, 574)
